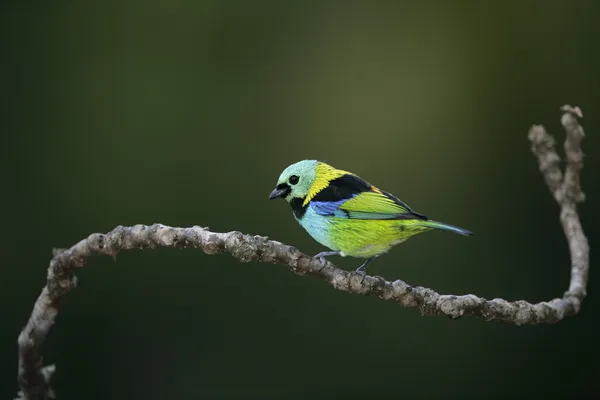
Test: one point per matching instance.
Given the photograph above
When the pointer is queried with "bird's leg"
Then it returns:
(321, 256)
(363, 268)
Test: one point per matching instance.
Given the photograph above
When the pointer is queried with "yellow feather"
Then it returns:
(324, 174)
(367, 238)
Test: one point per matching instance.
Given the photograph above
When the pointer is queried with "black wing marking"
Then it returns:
(344, 187)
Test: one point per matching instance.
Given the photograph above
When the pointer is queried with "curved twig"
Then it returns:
(34, 378)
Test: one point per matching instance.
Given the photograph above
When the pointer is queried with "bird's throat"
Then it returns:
(299, 209)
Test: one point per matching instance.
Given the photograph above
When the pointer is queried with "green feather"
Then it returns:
(445, 227)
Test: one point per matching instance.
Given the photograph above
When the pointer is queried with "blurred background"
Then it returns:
(185, 112)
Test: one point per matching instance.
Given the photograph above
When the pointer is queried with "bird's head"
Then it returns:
(295, 181)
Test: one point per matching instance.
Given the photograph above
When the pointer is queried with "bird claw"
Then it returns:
(321, 256)
(322, 260)
(362, 270)
(362, 273)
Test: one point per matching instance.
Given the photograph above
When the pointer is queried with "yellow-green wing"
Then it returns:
(376, 204)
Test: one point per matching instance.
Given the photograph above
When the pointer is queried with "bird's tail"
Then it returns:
(445, 227)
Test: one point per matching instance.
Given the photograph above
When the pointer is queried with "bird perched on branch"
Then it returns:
(347, 214)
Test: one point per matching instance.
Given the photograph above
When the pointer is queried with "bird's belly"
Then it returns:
(366, 238)
(354, 237)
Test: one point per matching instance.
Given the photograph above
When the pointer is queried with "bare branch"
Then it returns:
(34, 379)
(573, 151)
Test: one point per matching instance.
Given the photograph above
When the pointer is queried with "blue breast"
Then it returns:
(317, 225)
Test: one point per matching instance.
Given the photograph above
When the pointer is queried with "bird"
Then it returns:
(347, 214)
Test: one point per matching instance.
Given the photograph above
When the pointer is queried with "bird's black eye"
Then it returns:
(294, 179)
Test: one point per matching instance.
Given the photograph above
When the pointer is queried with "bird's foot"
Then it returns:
(321, 256)
(363, 268)
(361, 275)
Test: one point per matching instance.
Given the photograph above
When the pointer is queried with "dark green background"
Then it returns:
(185, 113)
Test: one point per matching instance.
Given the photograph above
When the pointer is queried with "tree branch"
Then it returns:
(34, 378)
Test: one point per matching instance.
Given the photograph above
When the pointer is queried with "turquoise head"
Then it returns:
(295, 181)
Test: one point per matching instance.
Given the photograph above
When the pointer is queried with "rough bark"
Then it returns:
(34, 377)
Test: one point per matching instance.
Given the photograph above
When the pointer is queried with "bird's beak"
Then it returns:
(279, 191)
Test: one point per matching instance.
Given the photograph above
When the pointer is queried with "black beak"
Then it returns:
(280, 191)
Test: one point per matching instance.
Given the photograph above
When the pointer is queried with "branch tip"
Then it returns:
(576, 111)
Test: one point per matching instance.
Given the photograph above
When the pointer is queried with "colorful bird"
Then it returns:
(347, 214)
